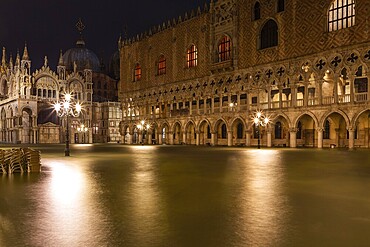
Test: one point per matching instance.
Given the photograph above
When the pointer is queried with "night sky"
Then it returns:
(47, 26)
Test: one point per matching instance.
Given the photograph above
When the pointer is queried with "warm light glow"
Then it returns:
(148, 126)
(256, 121)
(67, 97)
(266, 120)
(231, 104)
(66, 191)
(66, 105)
(57, 106)
(142, 122)
(259, 114)
(139, 126)
(78, 107)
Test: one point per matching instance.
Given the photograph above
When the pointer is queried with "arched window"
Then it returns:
(192, 57)
(327, 130)
(280, 6)
(209, 135)
(269, 35)
(278, 132)
(224, 49)
(299, 130)
(257, 11)
(239, 133)
(161, 68)
(137, 72)
(223, 131)
(341, 14)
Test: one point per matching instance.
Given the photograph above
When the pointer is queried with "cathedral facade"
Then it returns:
(27, 98)
(201, 78)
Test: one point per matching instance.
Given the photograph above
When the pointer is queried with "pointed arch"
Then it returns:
(269, 34)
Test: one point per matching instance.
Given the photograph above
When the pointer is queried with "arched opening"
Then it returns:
(269, 35)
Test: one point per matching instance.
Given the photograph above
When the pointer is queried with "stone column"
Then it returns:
(160, 140)
(197, 140)
(269, 138)
(238, 102)
(190, 107)
(305, 96)
(229, 138)
(352, 88)
(198, 106)
(129, 138)
(248, 138)
(184, 137)
(337, 137)
(319, 137)
(280, 98)
(336, 88)
(293, 137)
(320, 91)
(149, 137)
(351, 137)
(170, 137)
(213, 138)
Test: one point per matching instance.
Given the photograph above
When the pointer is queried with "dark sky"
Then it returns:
(49, 25)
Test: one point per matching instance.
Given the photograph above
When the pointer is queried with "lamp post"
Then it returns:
(67, 108)
(143, 126)
(259, 120)
(82, 129)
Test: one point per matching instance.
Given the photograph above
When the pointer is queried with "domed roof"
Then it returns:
(84, 58)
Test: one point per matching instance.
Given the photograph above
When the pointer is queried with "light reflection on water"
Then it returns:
(263, 198)
(117, 195)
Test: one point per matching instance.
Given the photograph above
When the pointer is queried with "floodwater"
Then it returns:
(117, 195)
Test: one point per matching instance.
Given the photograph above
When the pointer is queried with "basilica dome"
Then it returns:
(84, 58)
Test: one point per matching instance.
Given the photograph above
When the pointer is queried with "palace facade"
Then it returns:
(27, 99)
(200, 79)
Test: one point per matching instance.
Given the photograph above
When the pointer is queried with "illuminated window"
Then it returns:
(192, 56)
(162, 65)
(224, 49)
(341, 14)
(257, 11)
(137, 72)
(269, 35)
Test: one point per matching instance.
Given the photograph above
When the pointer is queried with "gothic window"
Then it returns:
(280, 6)
(341, 14)
(278, 131)
(224, 49)
(209, 135)
(223, 131)
(161, 67)
(137, 72)
(192, 57)
(327, 130)
(269, 35)
(239, 133)
(257, 11)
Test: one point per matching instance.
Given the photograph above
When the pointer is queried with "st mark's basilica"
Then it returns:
(27, 98)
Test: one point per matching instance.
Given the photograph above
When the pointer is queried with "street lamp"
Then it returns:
(259, 120)
(67, 108)
(143, 127)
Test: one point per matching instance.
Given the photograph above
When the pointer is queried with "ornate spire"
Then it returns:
(3, 60)
(18, 59)
(60, 62)
(80, 27)
(25, 53)
(11, 61)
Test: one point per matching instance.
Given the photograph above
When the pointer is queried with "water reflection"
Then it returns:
(73, 208)
(146, 200)
(264, 204)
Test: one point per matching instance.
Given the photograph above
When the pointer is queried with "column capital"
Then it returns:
(319, 129)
